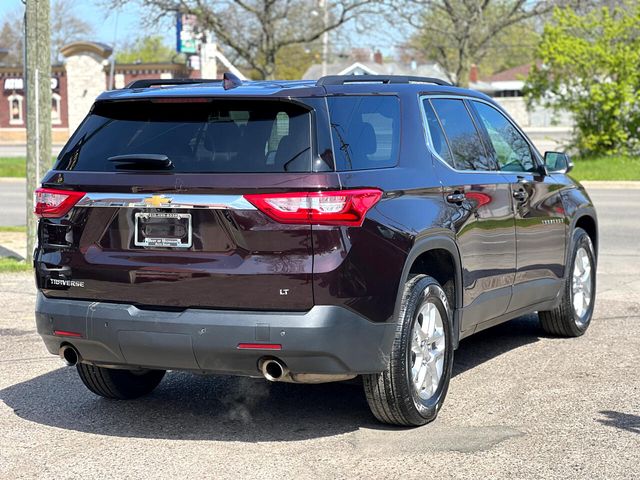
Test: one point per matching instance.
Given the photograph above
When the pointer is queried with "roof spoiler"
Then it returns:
(157, 82)
(228, 80)
(386, 79)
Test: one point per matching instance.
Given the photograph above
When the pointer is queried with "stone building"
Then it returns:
(75, 84)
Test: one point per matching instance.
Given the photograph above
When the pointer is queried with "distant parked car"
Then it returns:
(305, 232)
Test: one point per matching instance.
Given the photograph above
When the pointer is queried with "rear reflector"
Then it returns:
(342, 207)
(64, 333)
(259, 346)
(52, 203)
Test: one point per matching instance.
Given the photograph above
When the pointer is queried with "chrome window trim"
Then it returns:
(170, 200)
(432, 149)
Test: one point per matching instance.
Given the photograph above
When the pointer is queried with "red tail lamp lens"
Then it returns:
(342, 207)
(52, 203)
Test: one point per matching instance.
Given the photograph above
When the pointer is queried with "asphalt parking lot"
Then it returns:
(520, 405)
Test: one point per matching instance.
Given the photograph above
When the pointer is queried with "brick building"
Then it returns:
(75, 84)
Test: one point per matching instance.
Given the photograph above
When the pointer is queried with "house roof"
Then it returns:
(348, 67)
(519, 73)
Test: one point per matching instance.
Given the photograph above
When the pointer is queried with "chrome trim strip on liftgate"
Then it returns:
(177, 200)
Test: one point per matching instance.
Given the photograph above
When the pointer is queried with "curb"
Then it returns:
(13, 180)
(618, 185)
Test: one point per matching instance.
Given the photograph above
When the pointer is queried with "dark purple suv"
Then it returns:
(305, 232)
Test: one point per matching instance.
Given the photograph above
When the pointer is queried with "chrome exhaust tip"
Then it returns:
(274, 370)
(69, 355)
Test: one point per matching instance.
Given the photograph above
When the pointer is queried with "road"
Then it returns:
(21, 150)
(13, 195)
(520, 404)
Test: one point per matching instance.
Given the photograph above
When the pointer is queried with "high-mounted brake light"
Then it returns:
(342, 207)
(181, 100)
(52, 203)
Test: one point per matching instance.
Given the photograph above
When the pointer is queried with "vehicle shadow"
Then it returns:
(495, 341)
(623, 421)
(195, 407)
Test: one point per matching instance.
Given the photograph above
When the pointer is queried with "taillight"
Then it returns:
(343, 207)
(52, 203)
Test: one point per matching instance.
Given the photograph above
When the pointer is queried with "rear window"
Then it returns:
(365, 130)
(200, 136)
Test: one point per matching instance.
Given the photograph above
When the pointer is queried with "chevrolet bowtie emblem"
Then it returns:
(157, 201)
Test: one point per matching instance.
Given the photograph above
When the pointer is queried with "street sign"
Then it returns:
(187, 34)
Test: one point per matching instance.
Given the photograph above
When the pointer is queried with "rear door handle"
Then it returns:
(456, 197)
(520, 195)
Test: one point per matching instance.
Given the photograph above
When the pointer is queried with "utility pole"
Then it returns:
(324, 4)
(38, 86)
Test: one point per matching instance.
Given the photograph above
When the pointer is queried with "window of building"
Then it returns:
(15, 109)
(56, 116)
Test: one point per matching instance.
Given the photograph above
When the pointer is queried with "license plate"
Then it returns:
(163, 229)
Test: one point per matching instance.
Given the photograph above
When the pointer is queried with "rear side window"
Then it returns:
(200, 136)
(438, 139)
(365, 130)
(464, 139)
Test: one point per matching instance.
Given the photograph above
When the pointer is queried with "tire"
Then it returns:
(119, 384)
(392, 395)
(567, 320)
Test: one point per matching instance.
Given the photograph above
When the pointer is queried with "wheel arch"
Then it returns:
(438, 257)
(587, 221)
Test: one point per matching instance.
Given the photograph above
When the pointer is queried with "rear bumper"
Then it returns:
(326, 339)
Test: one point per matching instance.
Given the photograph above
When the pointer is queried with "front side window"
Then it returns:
(198, 136)
(365, 130)
(464, 139)
(512, 151)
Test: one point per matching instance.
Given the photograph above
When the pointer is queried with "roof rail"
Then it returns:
(346, 79)
(156, 82)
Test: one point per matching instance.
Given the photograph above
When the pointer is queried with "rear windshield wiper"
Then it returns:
(142, 160)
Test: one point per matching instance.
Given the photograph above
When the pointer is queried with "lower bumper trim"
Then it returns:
(323, 340)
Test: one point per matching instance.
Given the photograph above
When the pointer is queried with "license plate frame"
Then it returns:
(140, 240)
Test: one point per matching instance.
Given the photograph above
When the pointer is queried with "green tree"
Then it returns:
(458, 33)
(293, 60)
(589, 67)
(65, 27)
(255, 34)
(146, 50)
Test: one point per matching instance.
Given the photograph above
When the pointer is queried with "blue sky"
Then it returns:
(103, 20)
(129, 26)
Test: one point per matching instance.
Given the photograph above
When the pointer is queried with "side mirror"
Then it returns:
(557, 162)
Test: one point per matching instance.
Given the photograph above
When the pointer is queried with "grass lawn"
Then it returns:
(13, 265)
(606, 168)
(22, 228)
(597, 168)
(13, 167)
